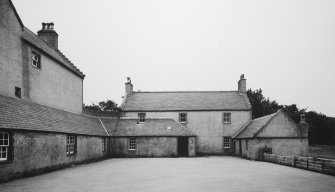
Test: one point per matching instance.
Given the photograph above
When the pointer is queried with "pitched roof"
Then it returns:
(151, 127)
(186, 101)
(50, 51)
(255, 126)
(25, 115)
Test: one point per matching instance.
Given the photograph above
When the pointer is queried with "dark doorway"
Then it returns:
(183, 146)
(240, 147)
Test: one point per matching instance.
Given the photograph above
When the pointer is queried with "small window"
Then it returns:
(226, 142)
(36, 60)
(132, 144)
(104, 144)
(4, 146)
(71, 145)
(182, 117)
(141, 117)
(18, 92)
(226, 117)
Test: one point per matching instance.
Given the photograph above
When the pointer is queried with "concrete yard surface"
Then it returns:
(175, 174)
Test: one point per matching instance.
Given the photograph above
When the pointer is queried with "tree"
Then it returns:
(107, 105)
(321, 127)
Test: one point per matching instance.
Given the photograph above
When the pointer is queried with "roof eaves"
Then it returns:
(75, 70)
(275, 114)
(176, 110)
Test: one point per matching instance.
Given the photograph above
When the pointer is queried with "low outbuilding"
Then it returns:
(156, 137)
(276, 133)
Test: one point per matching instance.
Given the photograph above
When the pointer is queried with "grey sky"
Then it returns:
(287, 48)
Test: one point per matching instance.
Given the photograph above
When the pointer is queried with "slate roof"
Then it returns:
(251, 129)
(186, 101)
(25, 115)
(151, 127)
(50, 51)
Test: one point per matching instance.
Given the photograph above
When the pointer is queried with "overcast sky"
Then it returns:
(286, 48)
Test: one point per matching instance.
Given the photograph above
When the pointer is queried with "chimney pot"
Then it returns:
(48, 34)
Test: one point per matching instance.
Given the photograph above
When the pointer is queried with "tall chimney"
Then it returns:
(242, 84)
(48, 34)
(129, 87)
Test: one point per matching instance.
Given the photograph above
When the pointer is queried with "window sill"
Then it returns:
(72, 154)
(131, 149)
(6, 161)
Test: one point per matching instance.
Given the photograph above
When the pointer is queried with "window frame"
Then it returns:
(141, 117)
(181, 117)
(226, 142)
(33, 59)
(71, 147)
(226, 117)
(8, 147)
(132, 144)
(4, 147)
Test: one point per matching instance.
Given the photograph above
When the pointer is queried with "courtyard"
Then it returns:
(175, 174)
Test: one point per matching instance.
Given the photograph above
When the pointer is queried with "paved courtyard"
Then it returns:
(176, 174)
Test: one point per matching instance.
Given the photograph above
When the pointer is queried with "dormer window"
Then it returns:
(141, 117)
(36, 60)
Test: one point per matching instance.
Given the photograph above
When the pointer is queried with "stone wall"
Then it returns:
(10, 51)
(208, 127)
(36, 151)
(281, 146)
(149, 147)
(52, 82)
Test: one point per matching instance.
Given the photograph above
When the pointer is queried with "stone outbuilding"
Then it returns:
(36, 138)
(276, 133)
(156, 137)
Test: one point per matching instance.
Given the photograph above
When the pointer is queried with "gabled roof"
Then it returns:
(55, 54)
(16, 14)
(186, 101)
(25, 115)
(151, 127)
(255, 126)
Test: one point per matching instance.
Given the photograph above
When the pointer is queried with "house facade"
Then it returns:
(213, 116)
(41, 95)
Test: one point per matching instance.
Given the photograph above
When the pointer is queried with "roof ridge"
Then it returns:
(182, 91)
(40, 105)
(273, 115)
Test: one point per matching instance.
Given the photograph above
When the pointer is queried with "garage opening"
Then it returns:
(183, 146)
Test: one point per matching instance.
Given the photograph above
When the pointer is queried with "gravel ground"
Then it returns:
(176, 174)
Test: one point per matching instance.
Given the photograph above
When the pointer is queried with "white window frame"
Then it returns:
(226, 117)
(182, 117)
(141, 117)
(132, 144)
(36, 60)
(71, 144)
(4, 146)
(226, 142)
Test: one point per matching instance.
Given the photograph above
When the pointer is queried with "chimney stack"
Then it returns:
(129, 87)
(303, 125)
(242, 84)
(48, 34)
